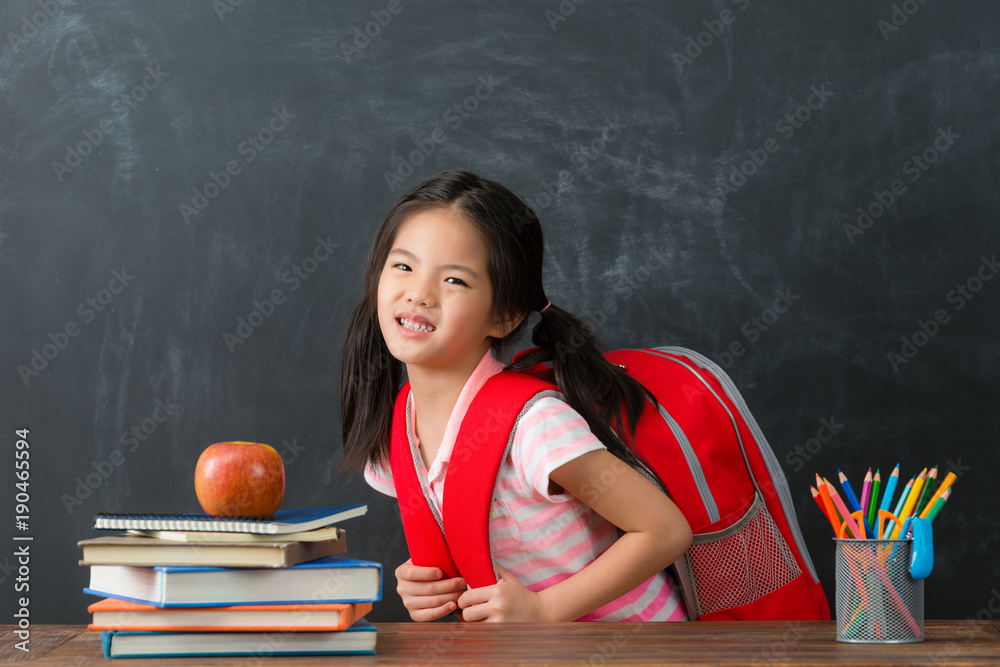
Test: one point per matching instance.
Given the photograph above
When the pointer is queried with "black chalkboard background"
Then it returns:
(699, 168)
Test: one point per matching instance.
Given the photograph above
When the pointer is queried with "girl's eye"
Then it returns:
(456, 281)
(401, 267)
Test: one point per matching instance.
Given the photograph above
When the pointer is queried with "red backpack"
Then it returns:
(748, 559)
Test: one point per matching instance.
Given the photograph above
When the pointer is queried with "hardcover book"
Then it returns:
(118, 615)
(360, 638)
(149, 551)
(329, 579)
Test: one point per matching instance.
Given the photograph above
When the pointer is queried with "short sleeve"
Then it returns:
(548, 435)
(380, 479)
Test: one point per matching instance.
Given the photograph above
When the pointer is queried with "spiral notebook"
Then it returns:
(282, 522)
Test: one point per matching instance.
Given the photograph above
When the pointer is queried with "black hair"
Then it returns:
(603, 393)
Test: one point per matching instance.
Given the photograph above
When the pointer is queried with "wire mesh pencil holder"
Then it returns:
(877, 599)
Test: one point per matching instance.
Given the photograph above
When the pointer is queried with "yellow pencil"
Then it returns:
(911, 502)
(945, 485)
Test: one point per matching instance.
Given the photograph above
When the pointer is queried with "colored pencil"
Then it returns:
(844, 512)
(911, 501)
(852, 500)
(938, 505)
(899, 507)
(819, 501)
(926, 493)
(872, 514)
(866, 491)
(824, 496)
(890, 489)
(945, 485)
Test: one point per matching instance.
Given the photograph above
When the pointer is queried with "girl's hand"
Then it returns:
(507, 600)
(425, 592)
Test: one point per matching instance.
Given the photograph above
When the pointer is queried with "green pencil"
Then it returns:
(938, 505)
(926, 494)
(872, 504)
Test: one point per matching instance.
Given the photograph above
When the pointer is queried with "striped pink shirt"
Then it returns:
(539, 537)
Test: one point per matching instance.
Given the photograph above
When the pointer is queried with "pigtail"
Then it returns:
(369, 380)
(607, 397)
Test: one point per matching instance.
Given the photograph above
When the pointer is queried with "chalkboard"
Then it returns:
(805, 192)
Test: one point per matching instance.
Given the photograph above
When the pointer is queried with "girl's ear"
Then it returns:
(501, 328)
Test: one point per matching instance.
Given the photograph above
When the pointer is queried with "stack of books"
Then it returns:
(195, 585)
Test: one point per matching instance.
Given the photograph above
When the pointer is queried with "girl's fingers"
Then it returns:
(417, 602)
(428, 588)
(474, 596)
(433, 613)
(416, 573)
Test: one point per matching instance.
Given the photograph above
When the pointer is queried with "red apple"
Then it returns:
(240, 479)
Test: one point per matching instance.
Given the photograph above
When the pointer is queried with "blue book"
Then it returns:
(358, 639)
(282, 522)
(329, 579)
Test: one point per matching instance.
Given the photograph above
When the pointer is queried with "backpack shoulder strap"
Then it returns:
(482, 445)
(424, 531)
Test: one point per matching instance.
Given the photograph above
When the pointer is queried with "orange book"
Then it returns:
(114, 614)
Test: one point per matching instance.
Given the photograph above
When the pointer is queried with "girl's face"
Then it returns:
(435, 297)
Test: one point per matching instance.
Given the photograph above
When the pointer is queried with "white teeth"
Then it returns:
(407, 324)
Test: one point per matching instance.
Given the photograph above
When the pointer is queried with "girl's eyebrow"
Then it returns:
(450, 267)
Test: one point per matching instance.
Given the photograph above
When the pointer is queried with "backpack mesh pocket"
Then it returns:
(737, 565)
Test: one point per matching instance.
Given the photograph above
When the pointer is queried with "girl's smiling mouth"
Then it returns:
(415, 323)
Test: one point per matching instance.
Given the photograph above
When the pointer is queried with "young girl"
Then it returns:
(451, 277)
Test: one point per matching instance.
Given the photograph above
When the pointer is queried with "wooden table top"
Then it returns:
(774, 643)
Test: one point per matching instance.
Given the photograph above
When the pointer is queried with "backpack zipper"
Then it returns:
(694, 465)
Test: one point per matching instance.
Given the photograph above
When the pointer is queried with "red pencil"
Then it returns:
(831, 511)
(819, 501)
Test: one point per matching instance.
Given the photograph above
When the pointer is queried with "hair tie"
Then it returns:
(546, 307)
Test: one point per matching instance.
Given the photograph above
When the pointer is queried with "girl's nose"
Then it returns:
(421, 293)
